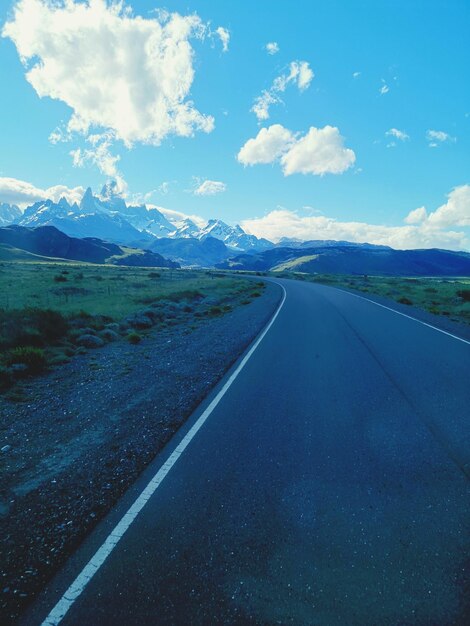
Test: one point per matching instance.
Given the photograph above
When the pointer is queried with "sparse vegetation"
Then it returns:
(46, 325)
(134, 338)
(449, 296)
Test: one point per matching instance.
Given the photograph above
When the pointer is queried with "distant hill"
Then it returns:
(350, 259)
(190, 251)
(49, 242)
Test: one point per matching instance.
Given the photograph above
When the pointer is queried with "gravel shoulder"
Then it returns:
(89, 428)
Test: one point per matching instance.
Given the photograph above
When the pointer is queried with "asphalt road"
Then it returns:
(328, 486)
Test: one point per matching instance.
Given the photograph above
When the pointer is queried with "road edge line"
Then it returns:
(415, 319)
(61, 608)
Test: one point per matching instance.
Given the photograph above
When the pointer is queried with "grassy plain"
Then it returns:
(51, 311)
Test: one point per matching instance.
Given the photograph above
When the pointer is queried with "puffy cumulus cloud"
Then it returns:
(416, 216)
(437, 137)
(272, 47)
(321, 151)
(284, 223)
(22, 193)
(456, 211)
(121, 74)
(224, 36)
(268, 145)
(299, 74)
(210, 188)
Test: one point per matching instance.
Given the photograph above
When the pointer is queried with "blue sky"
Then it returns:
(379, 67)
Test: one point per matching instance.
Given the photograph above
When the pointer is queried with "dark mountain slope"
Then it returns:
(48, 241)
(355, 260)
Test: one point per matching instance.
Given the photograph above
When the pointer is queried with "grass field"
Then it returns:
(449, 297)
(51, 311)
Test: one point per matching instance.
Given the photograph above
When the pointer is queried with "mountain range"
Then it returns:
(49, 242)
(109, 217)
(347, 258)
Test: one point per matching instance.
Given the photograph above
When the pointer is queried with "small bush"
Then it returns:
(153, 275)
(186, 294)
(59, 278)
(215, 310)
(464, 294)
(134, 338)
(6, 379)
(34, 358)
(405, 300)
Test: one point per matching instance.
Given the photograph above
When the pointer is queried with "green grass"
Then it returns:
(46, 309)
(290, 266)
(448, 297)
(114, 291)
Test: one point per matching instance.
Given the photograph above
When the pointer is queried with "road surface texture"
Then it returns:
(329, 485)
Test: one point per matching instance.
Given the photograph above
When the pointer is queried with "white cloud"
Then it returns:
(22, 193)
(268, 145)
(436, 137)
(224, 35)
(421, 229)
(283, 223)
(299, 74)
(356, 74)
(456, 211)
(397, 134)
(417, 216)
(384, 88)
(100, 155)
(272, 47)
(210, 188)
(124, 76)
(320, 151)
(177, 216)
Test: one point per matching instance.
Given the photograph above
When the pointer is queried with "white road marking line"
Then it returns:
(439, 330)
(81, 581)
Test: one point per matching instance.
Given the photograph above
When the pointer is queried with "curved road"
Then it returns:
(329, 485)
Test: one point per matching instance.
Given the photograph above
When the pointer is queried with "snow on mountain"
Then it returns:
(185, 228)
(108, 216)
(9, 213)
(233, 236)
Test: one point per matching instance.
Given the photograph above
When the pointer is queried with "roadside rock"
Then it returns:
(140, 321)
(90, 341)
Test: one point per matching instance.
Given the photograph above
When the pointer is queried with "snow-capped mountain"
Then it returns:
(8, 213)
(107, 216)
(186, 228)
(233, 236)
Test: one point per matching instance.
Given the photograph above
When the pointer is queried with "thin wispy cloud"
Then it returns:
(209, 187)
(299, 74)
(438, 137)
